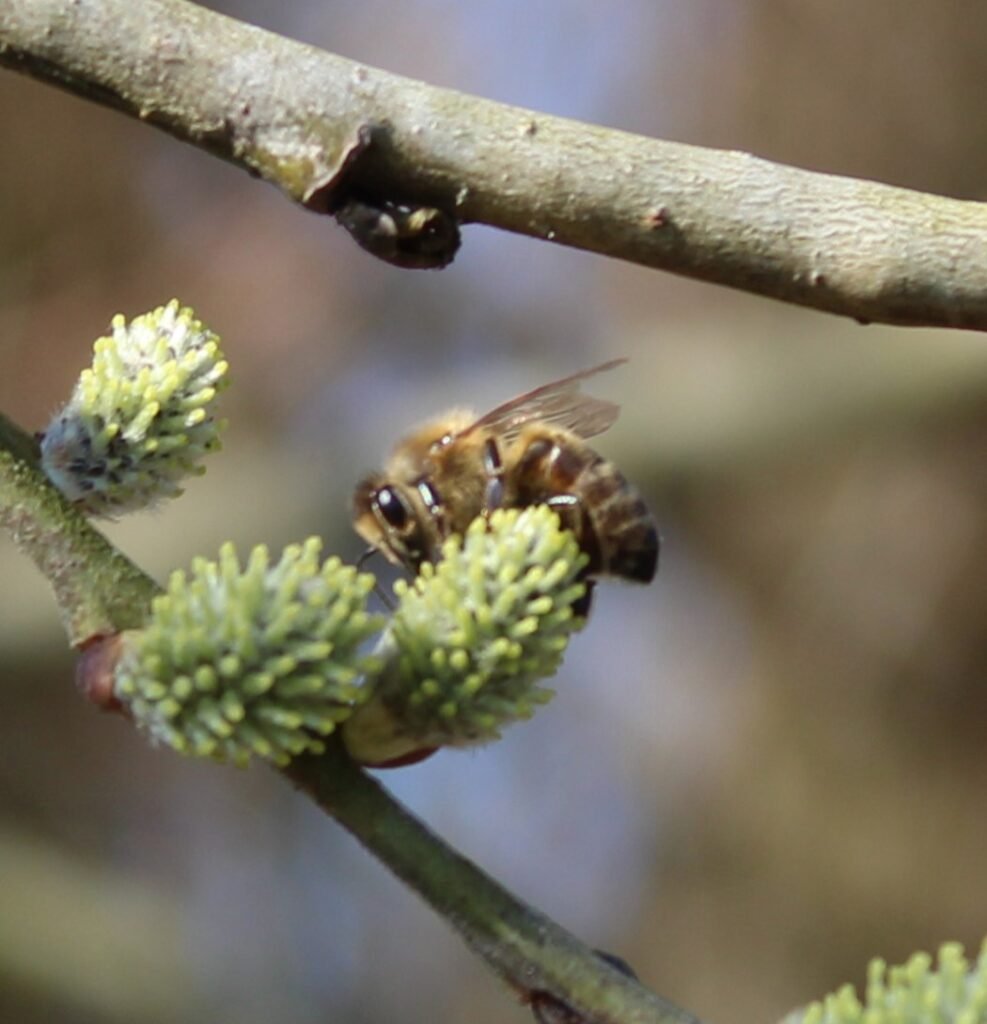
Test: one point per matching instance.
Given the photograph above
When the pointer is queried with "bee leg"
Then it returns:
(569, 509)
(582, 605)
(493, 466)
(382, 595)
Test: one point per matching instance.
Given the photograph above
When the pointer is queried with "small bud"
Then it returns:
(472, 638)
(141, 417)
(261, 660)
(95, 668)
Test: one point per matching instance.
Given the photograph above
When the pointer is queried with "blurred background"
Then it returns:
(757, 773)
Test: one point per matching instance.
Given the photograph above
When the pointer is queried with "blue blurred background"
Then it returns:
(757, 773)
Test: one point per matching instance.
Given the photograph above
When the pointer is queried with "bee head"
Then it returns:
(386, 517)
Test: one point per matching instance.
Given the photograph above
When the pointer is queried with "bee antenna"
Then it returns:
(366, 556)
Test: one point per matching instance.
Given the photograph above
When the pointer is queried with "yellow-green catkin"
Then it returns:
(473, 637)
(255, 660)
(953, 991)
(141, 418)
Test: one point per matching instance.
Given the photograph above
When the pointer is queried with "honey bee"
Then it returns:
(529, 451)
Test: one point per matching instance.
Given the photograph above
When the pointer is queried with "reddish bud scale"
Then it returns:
(95, 668)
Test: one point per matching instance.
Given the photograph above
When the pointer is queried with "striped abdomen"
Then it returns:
(593, 499)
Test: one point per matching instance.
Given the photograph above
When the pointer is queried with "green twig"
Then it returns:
(526, 949)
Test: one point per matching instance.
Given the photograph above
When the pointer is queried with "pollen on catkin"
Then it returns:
(473, 637)
(141, 417)
(953, 992)
(260, 660)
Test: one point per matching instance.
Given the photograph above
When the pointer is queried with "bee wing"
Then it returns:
(560, 403)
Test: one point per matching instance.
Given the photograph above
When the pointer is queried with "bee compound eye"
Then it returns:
(392, 508)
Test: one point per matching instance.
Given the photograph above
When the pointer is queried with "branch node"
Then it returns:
(399, 231)
(328, 191)
(657, 217)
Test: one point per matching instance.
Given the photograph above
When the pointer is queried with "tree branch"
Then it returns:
(328, 131)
